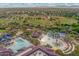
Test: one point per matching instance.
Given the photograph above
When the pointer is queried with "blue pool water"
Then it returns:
(19, 44)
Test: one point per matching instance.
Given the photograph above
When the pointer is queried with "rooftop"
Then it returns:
(5, 37)
(5, 52)
(38, 51)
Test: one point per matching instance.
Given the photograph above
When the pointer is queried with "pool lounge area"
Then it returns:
(19, 44)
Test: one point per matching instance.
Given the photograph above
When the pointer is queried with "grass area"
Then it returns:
(62, 20)
(68, 21)
(39, 22)
(2, 31)
(65, 20)
(3, 21)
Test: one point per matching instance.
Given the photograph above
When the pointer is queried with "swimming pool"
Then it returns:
(19, 44)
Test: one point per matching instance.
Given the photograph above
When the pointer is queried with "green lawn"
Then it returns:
(62, 20)
(68, 21)
(2, 31)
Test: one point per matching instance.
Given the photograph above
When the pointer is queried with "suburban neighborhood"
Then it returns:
(39, 30)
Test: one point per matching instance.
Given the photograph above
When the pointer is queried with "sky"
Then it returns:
(39, 1)
(13, 5)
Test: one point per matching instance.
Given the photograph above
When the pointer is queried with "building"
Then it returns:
(56, 35)
(5, 52)
(53, 40)
(36, 34)
(37, 51)
(6, 39)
